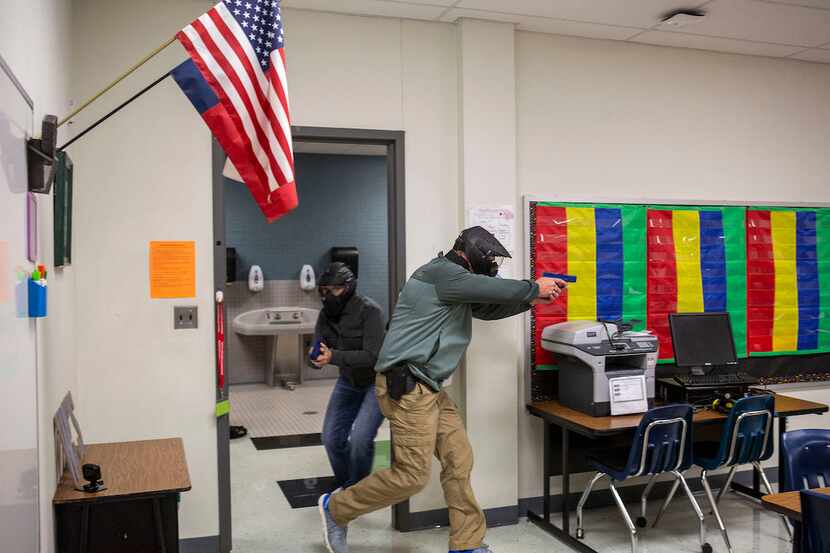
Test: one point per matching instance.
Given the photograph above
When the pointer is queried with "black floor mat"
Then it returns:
(282, 442)
(306, 491)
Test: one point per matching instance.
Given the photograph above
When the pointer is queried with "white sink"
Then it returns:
(276, 321)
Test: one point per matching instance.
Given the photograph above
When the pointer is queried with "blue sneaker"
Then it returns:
(334, 536)
(483, 549)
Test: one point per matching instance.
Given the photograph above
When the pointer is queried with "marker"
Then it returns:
(566, 278)
(315, 351)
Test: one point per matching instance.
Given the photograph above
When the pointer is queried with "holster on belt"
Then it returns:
(399, 381)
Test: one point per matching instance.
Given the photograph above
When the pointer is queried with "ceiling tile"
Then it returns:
(764, 22)
(820, 56)
(823, 4)
(548, 25)
(639, 13)
(681, 40)
(370, 7)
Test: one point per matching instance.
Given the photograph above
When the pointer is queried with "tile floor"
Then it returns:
(263, 522)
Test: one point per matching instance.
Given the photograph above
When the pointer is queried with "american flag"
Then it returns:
(235, 78)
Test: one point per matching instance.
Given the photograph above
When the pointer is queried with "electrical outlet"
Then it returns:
(185, 317)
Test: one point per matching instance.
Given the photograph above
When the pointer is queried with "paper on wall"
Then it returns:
(501, 221)
(172, 269)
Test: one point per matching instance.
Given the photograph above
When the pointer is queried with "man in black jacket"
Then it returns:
(350, 331)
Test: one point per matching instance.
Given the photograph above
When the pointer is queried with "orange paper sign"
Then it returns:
(172, 270)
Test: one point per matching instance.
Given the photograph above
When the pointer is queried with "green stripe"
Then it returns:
(777, 353)
(734, 231)
(634, 263)
(823, 251)
(547, 368)
(665, 361)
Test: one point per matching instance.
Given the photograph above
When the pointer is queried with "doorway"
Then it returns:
(350, 183)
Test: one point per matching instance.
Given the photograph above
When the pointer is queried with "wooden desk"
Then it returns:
(787, 503)
(138, 512)
(554, 413)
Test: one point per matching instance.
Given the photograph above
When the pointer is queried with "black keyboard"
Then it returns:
(716, 379)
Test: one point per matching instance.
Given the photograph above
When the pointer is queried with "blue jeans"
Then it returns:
(349, 429)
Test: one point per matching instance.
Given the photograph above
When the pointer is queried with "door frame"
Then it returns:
(396, 220)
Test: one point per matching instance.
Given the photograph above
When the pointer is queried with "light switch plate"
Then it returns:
(185, 316)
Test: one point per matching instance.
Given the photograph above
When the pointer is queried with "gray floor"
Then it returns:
(264, 522)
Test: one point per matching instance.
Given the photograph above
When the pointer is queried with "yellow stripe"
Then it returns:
(686, 233)
(785, 325)
(582, 261)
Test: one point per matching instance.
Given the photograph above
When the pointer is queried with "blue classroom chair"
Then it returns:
(806, 465)
(815, 522)
(662, 444)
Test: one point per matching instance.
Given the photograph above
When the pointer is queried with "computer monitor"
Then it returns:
(702, 339)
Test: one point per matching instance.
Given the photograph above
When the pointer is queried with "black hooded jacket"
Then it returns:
(355, 338)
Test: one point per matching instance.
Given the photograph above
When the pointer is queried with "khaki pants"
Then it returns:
(423, 423)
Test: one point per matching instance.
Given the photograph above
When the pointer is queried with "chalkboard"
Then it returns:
(19, 531)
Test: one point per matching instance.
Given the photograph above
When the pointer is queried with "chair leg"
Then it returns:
(704, 479)
(666, 502)
(696, 507)
(765, 480)
(726, 484)
(626, 516)
(580, 533)
(644, 501)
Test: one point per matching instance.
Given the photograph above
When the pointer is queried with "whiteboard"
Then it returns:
(19, 517)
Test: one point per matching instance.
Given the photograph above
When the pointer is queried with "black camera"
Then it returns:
(92, 473)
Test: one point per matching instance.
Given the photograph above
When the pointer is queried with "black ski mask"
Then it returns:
(482, 249)
(337, 274)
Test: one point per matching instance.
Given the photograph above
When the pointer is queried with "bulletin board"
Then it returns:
(768, 267)
(19, 518)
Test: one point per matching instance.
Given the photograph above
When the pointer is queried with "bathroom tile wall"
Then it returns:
(247, 355)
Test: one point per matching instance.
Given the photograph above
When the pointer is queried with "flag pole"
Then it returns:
(123, 76)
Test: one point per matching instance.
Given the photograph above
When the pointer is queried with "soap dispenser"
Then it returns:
(307, 281)
(256, 281)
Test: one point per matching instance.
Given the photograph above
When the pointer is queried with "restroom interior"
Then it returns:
(275, 394)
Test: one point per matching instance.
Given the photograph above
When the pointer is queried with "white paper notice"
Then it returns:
(501, 221)
(628, 394)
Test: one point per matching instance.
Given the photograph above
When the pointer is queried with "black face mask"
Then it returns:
(333, 305)
(337, 274)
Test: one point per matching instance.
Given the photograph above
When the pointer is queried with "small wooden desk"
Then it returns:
(569, 420)
(138, 512)
(787, 503)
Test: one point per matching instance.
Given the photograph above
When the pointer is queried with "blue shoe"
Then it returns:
(334, 536)
(483, 549)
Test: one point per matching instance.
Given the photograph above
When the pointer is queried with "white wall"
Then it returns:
(625, 121)
(143, 175)
(35, 41)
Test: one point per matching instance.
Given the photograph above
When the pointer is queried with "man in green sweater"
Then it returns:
(428, 335)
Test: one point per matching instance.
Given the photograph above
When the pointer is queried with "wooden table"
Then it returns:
(138, 512)
(569, 420)
(787, 503)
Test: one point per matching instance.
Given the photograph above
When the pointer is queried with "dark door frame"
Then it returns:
(394, 142)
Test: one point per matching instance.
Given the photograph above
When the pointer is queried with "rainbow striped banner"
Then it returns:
(788, 269)
(602, 244)
(696, 263)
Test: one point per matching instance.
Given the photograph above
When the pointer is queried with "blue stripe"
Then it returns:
(609, 263)
(194, 86)
(712, 260)
(807, 276)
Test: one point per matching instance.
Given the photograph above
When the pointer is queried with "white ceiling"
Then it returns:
(798, 29)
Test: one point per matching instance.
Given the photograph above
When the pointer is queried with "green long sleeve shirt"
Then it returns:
(432, 323)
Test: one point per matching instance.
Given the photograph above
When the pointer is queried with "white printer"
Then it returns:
(591, 352)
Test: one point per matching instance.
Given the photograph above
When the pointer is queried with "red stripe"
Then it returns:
(550, 244)
(661, 276)
(262, 100)
(281, 201)
(228, 130)
(246, 101)
(279, 89)
(760, 283)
